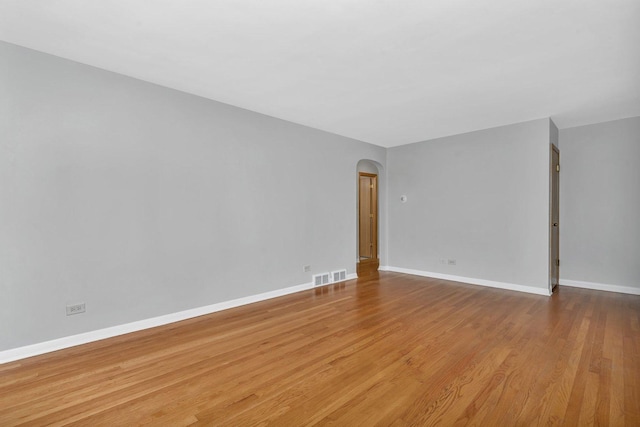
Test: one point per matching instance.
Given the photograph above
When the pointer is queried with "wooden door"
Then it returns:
(555, 217)
(368, 216)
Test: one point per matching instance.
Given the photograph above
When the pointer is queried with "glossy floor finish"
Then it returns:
(392, 351)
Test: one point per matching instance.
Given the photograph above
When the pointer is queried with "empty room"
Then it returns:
(295, 213)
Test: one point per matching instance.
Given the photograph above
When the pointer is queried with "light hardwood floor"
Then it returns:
(392, 351)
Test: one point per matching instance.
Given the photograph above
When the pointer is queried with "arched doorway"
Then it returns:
(368, 219)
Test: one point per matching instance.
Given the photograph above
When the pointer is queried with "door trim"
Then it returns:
(554, 245)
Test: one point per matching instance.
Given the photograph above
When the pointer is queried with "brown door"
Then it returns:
(555, 217)
(367, 222)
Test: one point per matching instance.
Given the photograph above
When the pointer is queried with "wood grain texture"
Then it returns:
(367, 267)
(390, 350)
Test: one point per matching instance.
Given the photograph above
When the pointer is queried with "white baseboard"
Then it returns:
(14, 354)
(100, 334)
(600, 286)
(472, 281)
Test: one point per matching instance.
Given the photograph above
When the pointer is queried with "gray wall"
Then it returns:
(600, 203)
(143, 201)
(481, 198)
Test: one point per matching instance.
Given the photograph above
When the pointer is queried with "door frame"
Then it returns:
(554, 207)
(369, 266)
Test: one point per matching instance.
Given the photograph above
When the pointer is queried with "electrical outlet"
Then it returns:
(451, 262)
(76, 309)
(306, 268)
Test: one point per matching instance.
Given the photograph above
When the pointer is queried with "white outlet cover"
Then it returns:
(76, 308)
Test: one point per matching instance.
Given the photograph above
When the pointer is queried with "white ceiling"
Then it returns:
(382, 71)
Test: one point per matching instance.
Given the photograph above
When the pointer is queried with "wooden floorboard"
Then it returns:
(390, 350)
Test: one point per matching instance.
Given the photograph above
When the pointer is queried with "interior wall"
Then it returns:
(600, 203)
(142, 201)
(480, 198)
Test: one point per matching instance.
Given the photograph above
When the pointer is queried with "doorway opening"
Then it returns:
(368, 261)
(554, 216)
